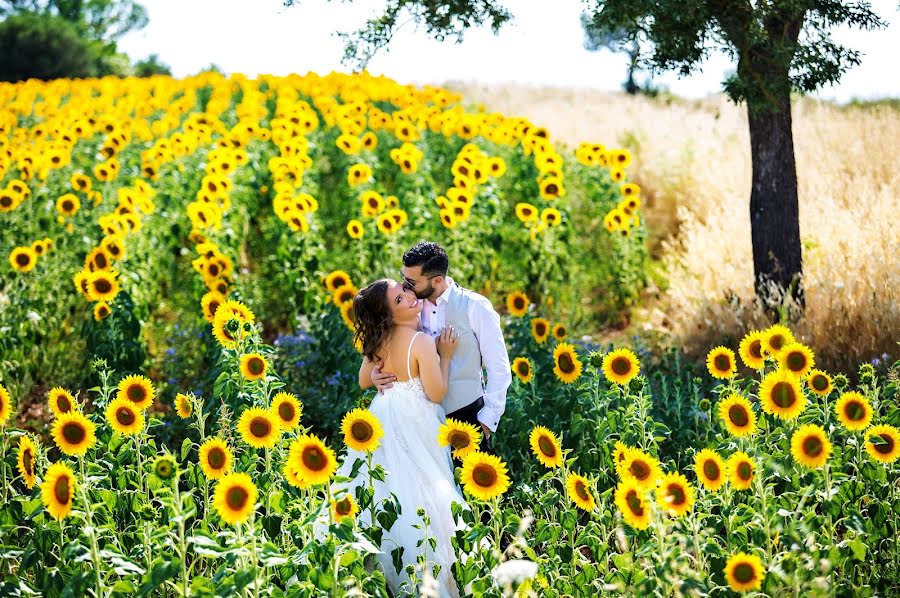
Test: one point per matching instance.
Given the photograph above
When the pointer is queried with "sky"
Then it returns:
(543, 45)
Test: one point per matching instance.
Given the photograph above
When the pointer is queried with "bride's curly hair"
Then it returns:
(372, 318)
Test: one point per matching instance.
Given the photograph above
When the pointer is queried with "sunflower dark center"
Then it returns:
(722, 363)
(459, 439)
(23, 259)
(64, 404)
(68, 205)
(676, 494)
(738, 415)
(5, 201)
(854, 410)
(540, 329)
(783, 395)
(813, 446)
(819, 382)
(339, 281)
(361, 431)
(796, 361)
(777, 341)
(524, 369)
(711, 470)
(260, 427)
(256, 366)
(136, 393)
(634, 502)
(519, 303)
(74, 432)
(102, 285)
(566, 364)
(744, 573)
(343, 507)
(237, 497)
(620, 366)
(28, 461)
(125, 416)
(560, 331)
(61, 490)
(640, 469)
(887, 446)
(552, 188)
(214, 269)
(313, 458)
(286, 411)
(582, 491)
(547, 447)
(216, 458)
(164, 469)
(101, 261)
(744, 470)
(484, 475)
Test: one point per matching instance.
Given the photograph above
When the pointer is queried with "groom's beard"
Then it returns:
(427, 293)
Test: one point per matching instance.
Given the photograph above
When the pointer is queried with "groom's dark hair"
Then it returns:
(430, 256)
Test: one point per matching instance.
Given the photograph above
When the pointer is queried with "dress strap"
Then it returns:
(409, 353)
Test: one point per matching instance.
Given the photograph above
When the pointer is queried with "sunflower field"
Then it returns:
(178, 379)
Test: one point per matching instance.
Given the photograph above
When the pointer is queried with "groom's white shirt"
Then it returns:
(485, 323)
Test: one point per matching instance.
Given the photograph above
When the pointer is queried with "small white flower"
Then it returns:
(514, 571)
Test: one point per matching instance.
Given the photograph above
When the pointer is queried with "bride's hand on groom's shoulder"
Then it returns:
(382, 380)
(447, 342)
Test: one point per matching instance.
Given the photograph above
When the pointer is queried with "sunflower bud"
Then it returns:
(232, 326)
(840, 381)
(704, 405)
(637, 384)
(866, 373)
(596, 359)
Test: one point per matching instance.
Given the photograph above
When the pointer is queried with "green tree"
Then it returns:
(596, 39)
(43, 47)
(150, 66)
(779, 46)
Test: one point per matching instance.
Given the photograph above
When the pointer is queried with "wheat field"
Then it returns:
(692, 160)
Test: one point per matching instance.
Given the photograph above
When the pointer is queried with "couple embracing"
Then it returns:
(426, 344)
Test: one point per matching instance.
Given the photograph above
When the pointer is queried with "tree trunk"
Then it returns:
(774, 213)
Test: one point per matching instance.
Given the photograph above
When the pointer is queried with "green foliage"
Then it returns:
(44, 47)
(150, 66)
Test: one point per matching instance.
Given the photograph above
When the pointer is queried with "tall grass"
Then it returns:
(692, 159)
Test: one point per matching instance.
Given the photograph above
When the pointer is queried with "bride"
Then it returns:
(419, 470)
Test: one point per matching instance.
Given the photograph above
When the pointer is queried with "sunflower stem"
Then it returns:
(91, 532)
(828, 526)
(371, 487)
(252, 527)
(695, 532)
(3, 459)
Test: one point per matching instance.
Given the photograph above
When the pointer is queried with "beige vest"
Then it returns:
(466, 380)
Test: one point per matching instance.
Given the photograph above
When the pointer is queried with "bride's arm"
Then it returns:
(365, 373)
(433, 371)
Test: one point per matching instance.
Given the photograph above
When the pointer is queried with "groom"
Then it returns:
(469, 397)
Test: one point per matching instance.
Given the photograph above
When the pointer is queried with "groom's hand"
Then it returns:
(382, 380)
(487, 431)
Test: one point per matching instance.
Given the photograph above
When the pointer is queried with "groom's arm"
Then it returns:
(485, 323)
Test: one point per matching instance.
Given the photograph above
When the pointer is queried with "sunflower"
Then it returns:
(259, 428)
(345, 508)
(551, 217)
(620, 366)
(551, 188)
(73, 433)
(362, 430)
(744, 572)
(61, 401)
(640, 468)
(215, 458)
(526, 212)
(27, 458)
(138, 390)
(810, 446)
(710, 470)
(775, 338)
(883, 443)
(344, 294)
(631, 502)
(751, 350)
(819, 383)
(184, 405)
(740, 468)
(796, 358)
(58, 490)
(225, 331)
(124, 416)
(235, 497)
(312, 460)
(347, 315)
(720, 363)
(102, 285)
(781, 395)
(484, 476)
(854, 411)
(517, 303)
(336, 279)
(165, 468)
(581, 492)
(22, 259)
(521, 367)
(210, 303)
(5, 405)
(546, 447)
(567, 366)
(620, 453)
(253, 366)
(675, 495)
(540, 330)
(560, 332)
(736, 413)
(462, 436)
(355, 229)
(101, 311)
(287, 408)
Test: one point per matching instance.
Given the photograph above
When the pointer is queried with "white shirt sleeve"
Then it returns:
(485, 323)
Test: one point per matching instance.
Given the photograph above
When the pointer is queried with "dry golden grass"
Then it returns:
(692, 159)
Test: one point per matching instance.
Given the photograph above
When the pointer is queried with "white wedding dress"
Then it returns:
(420, 474)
